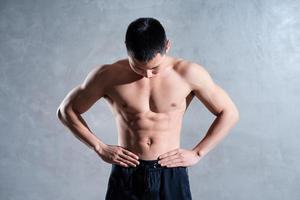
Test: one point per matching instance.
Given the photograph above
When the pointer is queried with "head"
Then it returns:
(146, 45)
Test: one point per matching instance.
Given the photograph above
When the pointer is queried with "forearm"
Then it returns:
(77, 125)
(216, 132)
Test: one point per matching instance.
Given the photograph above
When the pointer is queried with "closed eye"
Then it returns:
(144, 69)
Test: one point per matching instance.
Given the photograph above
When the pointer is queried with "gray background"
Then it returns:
(250, 48)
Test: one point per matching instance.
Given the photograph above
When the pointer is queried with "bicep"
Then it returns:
(83, 96)
(208, 92)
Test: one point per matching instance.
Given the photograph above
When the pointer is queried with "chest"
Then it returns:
(158, 95)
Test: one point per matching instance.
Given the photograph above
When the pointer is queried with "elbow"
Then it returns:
(232, 114)
(59, 113)
(62, 113)
(235, 115)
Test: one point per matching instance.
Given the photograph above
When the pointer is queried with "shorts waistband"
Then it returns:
(149, 163)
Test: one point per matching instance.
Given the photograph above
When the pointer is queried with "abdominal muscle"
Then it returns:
(149, 134)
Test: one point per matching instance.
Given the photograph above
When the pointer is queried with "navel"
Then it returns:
(149, 142)
(173, 104)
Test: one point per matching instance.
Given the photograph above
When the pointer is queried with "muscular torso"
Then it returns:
(148, 111)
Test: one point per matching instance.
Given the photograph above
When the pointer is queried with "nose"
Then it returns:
(148, 73)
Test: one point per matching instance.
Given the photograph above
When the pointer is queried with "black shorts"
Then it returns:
(148, 181)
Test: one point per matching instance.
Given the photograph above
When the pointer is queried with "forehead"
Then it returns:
(152, 63)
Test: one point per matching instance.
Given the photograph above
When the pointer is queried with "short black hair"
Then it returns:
(145, 37)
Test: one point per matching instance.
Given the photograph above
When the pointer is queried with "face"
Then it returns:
(149, 69)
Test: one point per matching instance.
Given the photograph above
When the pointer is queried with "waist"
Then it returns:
(149, 163)
(149, 148)
(143, 164)
(150, 153)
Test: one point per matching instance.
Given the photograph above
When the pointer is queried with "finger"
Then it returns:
(165, 159)
(130, 154)
(169, 162)
(128, 162)
(168, 153)
(120, 162)
(131, 160)
(175, 164)
(170, 157)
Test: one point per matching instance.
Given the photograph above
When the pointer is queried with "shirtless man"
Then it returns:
(148, 92)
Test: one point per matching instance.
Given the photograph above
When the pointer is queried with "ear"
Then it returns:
(168, 46)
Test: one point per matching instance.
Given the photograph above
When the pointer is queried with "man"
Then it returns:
(148, 94)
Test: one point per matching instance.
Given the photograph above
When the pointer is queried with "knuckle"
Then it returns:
(120, 148)
(119, 151)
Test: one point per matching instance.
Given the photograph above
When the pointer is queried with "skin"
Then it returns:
(148, 101)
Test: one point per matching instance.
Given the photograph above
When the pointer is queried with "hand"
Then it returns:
(118, 155)
(179, 157)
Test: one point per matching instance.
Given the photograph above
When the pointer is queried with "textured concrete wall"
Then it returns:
(250, 48)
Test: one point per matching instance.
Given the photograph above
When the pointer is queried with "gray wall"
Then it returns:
(250, 48)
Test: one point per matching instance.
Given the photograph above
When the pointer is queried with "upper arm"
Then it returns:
(83, 96)
(207, 91)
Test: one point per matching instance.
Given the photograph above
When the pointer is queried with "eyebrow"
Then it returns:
(150, 68)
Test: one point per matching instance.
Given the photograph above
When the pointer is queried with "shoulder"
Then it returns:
(112, 68)
(98, 70)
(104, 71)
(194, 73)
(186, 67)
(97, 76)
(105, 74)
